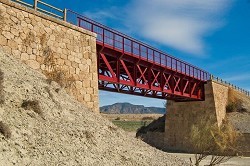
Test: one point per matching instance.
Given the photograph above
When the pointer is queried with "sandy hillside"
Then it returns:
(63, 132)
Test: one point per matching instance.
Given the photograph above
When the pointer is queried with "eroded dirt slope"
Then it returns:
(64, 132)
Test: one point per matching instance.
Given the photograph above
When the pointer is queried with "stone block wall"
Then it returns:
(220, 94)
(182, 115)
(29, 36)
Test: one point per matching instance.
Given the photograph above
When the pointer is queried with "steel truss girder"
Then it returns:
(123, 74)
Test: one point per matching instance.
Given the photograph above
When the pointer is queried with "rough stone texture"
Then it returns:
(220, 93)
(182, 115)
(29, 36)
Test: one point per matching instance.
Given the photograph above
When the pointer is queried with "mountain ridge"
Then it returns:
(128, 108)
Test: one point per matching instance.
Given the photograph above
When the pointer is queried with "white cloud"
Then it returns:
(113, 13)
(181, 24)
(99, 15)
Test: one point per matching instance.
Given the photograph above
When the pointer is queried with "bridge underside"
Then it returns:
(125, 73)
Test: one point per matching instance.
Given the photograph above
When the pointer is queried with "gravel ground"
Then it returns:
(235, 161)
(64, 132)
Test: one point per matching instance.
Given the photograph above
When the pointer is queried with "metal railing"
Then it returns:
(122, 42)
(125, 44)
(219, 80)
(43, 7)
(117, 40)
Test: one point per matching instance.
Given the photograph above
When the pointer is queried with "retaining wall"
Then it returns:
(30, 36)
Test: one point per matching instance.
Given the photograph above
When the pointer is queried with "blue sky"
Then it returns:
(211, 34)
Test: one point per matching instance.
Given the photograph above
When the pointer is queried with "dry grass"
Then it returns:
(225, 137)
(207, 138)
(61, 77)
(29, 38)
(43, 39)
(32, 105)
(5, 130)
(55, 73)
(1, 87)
(235, 104)
(49, 57)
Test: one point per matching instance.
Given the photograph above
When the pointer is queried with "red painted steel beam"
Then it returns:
(134, 75)
(126, 65)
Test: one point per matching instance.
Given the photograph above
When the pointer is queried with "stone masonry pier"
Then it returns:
(182, 115)
(28, 35)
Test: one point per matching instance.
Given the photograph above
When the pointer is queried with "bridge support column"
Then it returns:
(182, 115)
(43, 42)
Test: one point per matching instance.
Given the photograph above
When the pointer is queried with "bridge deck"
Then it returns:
(129, 66)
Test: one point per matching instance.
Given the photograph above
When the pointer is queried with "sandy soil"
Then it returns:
(64, 132)
(235, 161)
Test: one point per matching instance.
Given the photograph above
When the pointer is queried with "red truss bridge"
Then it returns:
(129, 66)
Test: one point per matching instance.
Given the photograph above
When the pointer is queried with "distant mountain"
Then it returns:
(127, 108)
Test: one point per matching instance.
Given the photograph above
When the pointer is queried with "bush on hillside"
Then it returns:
(235, 103)
(54, 72)
(207, 138)
(235, 106)
(5, 130)
(118, 118)
(32, 105)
